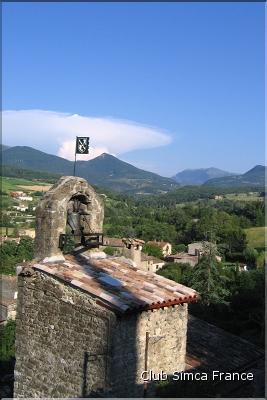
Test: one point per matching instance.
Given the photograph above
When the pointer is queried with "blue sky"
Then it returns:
(165, 86)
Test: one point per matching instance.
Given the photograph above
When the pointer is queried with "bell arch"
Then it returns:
(52, 212)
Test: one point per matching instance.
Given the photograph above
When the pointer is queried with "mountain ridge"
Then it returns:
(254, 177)
(199, 176)
(105, 170)
(109, 172)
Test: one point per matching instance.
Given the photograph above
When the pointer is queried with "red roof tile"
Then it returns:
(159, 244)
(119, 285)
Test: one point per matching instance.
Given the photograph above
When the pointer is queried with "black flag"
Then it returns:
(82, 145)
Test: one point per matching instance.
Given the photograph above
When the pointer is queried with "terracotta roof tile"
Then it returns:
(119, 285)
(159, 244)
(211, 348)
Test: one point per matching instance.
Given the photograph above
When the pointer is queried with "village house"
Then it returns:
(27, 232)
(92, 324)
(194, 253)
(200, 248)
(151, 263)
(20, 208)
(184, 258)
(8, 298)
(132, 248)
(165, 247)
(25, 198)
(113, 242)
(6, 238)
(17, 194)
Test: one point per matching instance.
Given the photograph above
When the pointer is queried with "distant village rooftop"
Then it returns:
(159, 244)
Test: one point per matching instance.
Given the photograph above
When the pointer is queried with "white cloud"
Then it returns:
(55, 132)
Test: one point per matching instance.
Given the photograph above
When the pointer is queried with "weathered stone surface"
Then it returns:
(62, 340)
(68, 343)
(8, 285)
(69, 346)
(166, 348)
(51, 214)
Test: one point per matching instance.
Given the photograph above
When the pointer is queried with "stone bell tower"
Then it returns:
(88, 326)
(52, 213)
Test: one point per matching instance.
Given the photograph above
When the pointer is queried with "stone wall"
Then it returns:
(8, 285)
(133, 254)
(62, 340)
(51, 214)
(166, 347)
(69, 346)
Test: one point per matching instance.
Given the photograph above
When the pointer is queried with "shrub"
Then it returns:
(152, 250)
(7, 339)
(110, 251)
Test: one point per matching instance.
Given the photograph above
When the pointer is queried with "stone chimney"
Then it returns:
(133, 249)
(51, 215)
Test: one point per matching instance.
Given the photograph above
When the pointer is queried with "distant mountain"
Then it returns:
(4, 147)
(199, 176)
(104, 171)
(253, 177)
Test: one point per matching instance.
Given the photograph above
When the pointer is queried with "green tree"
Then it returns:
(261, 259)
(177, 272)
(208, 280)
(251, 255)
(179, 248)
(7, 339)
(15, 232)
(25, 249)
(12, 253)
(152, 250)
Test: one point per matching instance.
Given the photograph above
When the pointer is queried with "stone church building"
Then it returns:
(89, 325)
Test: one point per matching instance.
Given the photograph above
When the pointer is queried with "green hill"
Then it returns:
(104, 171)
(256, 237)
(253, 177)
(199, 176)
(29, 158)
(16, 172)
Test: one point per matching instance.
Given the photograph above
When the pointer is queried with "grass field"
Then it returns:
(256, 237)
(13, 184)
(35, 188)
(252, 196)
(3, 230)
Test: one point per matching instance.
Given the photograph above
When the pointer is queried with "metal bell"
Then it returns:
(73, 220)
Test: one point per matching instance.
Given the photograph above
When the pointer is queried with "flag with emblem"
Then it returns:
(82, 145)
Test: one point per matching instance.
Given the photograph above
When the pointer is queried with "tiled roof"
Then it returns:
(159, 244)
(183, 255)
(145, 257)
(111, 241)
(118, 285)
(133, 241)
(8, 286)
(200, 245)
(210, 348)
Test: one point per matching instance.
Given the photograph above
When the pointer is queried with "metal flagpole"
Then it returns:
(74, 166)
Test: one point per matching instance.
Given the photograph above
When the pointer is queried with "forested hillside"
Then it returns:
(253, 177)
(105, 170)
(184, 216)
